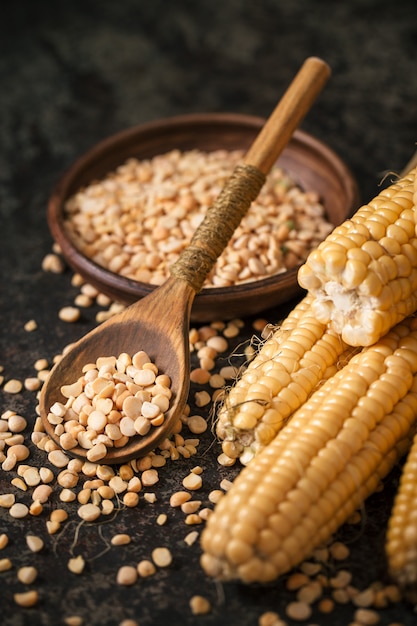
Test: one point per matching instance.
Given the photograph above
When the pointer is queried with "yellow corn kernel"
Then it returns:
(320, 467)
(376, 286)
(287, 368)
(401, 540)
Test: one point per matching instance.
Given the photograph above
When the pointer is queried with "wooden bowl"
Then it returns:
(307, 160)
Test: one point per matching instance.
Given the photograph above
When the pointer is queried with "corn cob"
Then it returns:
(364, 274)
(401, 540)
(320, 467)
(299, 355)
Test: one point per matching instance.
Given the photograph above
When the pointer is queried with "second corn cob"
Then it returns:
(320, 467)
(298, 356)
(401, 540)
(364, 274)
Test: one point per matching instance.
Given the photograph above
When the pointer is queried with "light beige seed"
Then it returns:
(69, 314)
(76, 564)
(36, 508)
(366, 617)
(19, 483)
(17, 423)
(32, 477)
(121, 539)
(13, 386)
(7, 500)
(20, 451)
(149, 477)
(4, 540)
(52, 527)
(26, 598)
(192, 481)
(34, 543)
(32, 383)
(73, 620)
(191, 506)
(97, 452)
(89, 512)
(58, 458)
(146, 568)
(191, 538)
(131, 499)
(127, 575)
(162, 557)
(199, 605)
(19, 510)
(27, 574)
(298, 611)
(197, 424)
(67, 495)
(5, 565)
(42, 493)
(202, 398)
(58, 515)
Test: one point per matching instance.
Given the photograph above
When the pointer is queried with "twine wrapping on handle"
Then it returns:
(222, 219)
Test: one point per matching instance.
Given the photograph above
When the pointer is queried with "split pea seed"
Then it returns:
(27, 575)
(69, 314)
(130, 499)
(13, 386)
(146, 568)
(298, 610)
(5, 565)
(120, 540)
(73, 620)
(161, 557)
(34, 543)
(76, 565)
(199, 605)
(127, 575)
(26, 598)
(191, 538)
(19, 510)
(192, 482)
(7, 500)
(4, 540)
(89, 512)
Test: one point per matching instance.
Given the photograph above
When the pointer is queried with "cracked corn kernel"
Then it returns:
(199, 605)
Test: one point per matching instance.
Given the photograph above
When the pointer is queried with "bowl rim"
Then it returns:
(115, 282)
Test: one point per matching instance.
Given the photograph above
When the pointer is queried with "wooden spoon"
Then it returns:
(159, 323)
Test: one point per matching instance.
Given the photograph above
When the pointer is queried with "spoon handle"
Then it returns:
(244, 185)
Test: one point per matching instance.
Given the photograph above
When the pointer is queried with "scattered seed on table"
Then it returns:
(73, 620)
(5, 565)
(42, 493)
(127, 575)
(19, 510)
(13, 386)
(89, 512)
(27, 574)
(69, 314)
(121, 539)
(34, 543)
(192, 481)
(298, 611)
(162, 557)
(199, 605)
(4, 540)
(26, 598)
(76, 565)
(146, 568)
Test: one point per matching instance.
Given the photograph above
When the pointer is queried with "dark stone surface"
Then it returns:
(72, 73)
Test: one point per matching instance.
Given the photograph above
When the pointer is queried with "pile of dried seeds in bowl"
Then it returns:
(54, 498)
(139, 218)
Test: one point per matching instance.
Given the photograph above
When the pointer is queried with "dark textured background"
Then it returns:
(73, 72)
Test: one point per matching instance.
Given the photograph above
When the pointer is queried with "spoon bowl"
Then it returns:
(159, 323)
